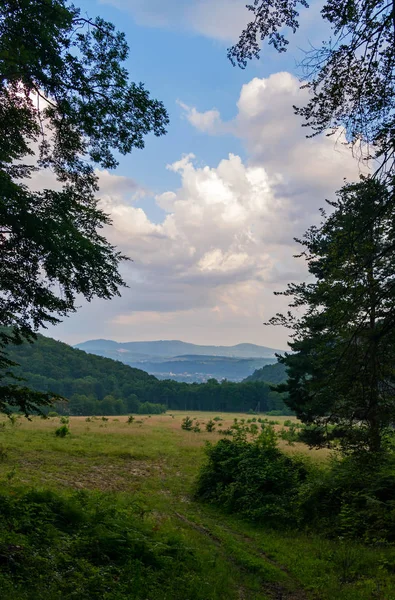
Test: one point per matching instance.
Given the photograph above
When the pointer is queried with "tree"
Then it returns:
(352, 77)
(66, 106)
(341, 373)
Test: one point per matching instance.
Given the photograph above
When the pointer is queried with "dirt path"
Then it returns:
(289, 589)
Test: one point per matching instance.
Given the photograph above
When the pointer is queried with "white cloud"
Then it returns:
(218, 19)
(207, 272)
(209, 121)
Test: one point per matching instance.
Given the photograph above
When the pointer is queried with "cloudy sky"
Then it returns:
(208, 213)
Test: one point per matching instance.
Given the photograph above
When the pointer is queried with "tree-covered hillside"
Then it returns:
(94, 385)
(276, 373)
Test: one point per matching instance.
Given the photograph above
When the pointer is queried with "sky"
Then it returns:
(208, 213)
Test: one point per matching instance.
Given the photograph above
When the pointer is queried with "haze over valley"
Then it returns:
(182, 361)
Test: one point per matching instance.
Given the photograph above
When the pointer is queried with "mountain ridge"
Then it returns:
(172, 348)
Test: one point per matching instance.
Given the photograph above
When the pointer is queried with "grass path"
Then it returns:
(154, 462)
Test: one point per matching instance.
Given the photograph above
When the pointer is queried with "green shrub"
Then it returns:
(52, 414)
(130, 419)
(210, 426)
(290, 435)
(354, 498)
(64, 420)
(62, 431)
(90, 545)
(254, 479)
(187, 424)
(218, 419)
(225, 431)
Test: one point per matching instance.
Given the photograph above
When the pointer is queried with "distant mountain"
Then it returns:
(172, 348)
(275, 374)
(174, 359)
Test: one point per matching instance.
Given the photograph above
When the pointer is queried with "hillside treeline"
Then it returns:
(94, 385)
(274, 374)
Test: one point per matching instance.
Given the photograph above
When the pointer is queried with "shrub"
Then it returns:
(210, 426)
(218, 419)
(354, 498)
(52, 414)
(290, 435)
(64, 420)
(225, 431)
(90, 545)
(187, 424)
(62, 431)
(130, 419)
(254, 479)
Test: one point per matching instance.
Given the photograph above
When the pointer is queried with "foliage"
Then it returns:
(351, 78)
(276, 373)
(341, 375)
(94, 385)
(86, 546)
(354, 498)
(149, 408)
(351, 498)
(62, 431)
(252, 478)
(187, 424)
(210, 426)
(66, 107)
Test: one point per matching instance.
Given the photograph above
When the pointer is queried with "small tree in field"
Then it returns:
(187, 424)
(341, 372)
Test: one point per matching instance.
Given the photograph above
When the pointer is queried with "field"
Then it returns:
(152, 463)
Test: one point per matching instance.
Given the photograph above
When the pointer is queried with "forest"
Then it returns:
(93, 385)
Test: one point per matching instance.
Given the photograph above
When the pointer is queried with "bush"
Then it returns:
(210, 426)
(62, 431)
(89, 545)
(52, 414)
(354, 498)
(253, 479)
(187, 424)
(130, 419)
(64, 420)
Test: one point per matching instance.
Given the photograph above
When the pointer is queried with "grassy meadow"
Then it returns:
(147, 469)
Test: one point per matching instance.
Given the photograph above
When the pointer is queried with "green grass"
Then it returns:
(142, 475)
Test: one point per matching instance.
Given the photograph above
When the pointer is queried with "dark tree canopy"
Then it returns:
(66, 107)
(351, 77)
(341, 374)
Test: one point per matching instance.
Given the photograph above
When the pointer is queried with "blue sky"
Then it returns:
(208, 212)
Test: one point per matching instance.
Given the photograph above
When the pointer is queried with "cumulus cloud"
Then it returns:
(208, 271)
(208, 122)
(273, 136)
